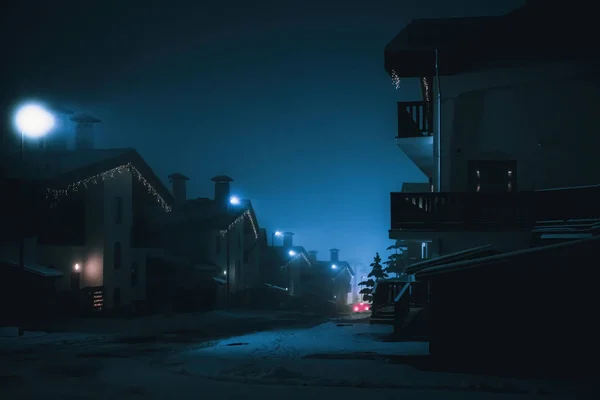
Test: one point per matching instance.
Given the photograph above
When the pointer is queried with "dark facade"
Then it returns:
(525, 309)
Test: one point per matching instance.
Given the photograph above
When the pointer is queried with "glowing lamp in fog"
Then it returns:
(234, 200)
(277, 233)
(334, 266)
(76, 267)
(225, 272)
(292, 253)
(33, 120)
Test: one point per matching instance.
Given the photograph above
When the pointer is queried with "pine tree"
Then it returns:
(396, 263)
(377, 273)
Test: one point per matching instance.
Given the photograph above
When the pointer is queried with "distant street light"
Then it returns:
(276, 233)
(334, 266)
(234, 200)
(76, 267)
(292, 253)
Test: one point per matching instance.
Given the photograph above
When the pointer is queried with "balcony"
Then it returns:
(462, 211)
(415, 119)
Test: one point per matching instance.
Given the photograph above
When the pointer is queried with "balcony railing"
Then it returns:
(491, 211)
(415, 119)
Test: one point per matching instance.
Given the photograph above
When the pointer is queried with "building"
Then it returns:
(492, 129)
(221, 235)
(336, 276)
(503, 133)
(286, 268)
(78, 217)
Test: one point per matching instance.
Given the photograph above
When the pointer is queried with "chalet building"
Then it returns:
(218, 238)
(491, 130)
(504, 131)
(73, 211)
(286, 266)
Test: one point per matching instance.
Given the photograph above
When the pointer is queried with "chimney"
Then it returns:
(335, 255)
(178, 186)
(312, 256)
(288, 239)
(222, 192)
(84, 131)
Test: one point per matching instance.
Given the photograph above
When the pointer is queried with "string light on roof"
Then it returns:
(395, 79)
(298, 256)
(56, 194)
(427, 90)
(239, 219)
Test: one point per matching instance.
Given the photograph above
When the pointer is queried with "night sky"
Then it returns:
(289, 98)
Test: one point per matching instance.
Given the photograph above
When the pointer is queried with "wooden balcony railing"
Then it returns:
(415, 119)
(492, 211)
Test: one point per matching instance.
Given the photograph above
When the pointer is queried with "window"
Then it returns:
(218, 245)
(117, 255)
(118, 210)
(492, 176)
(134, 274)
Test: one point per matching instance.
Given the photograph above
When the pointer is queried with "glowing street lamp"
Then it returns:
(276, 233)
(34, 121)
(292, 253)
(333, 266)
(234, 200)
(76, 267)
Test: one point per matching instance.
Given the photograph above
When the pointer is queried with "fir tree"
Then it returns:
(377, 273)
(396, 263)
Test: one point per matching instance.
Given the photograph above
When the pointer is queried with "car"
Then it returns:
(361, 307)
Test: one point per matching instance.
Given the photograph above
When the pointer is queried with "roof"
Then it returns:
(466, 43)
(475, 252)
(50, 164)
(327, 267)
(59, 169)
(279, 255)
(571, 248)
(440, 33)
(34, 268)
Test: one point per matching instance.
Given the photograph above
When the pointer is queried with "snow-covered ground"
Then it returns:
(340, 354)
(90, 330)
(334, 359)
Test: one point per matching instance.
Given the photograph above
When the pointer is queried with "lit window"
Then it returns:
(510, 173)
(479, 188)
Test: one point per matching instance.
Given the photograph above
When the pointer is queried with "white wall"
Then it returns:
(542, 116)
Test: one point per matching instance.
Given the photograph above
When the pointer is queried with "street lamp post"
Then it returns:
(34, 121)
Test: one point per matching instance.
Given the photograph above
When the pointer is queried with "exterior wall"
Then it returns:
(118, 186)
(138, 290)
(542, 116)
(95, 211)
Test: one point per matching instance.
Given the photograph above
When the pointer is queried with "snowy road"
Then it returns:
(323, 361)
